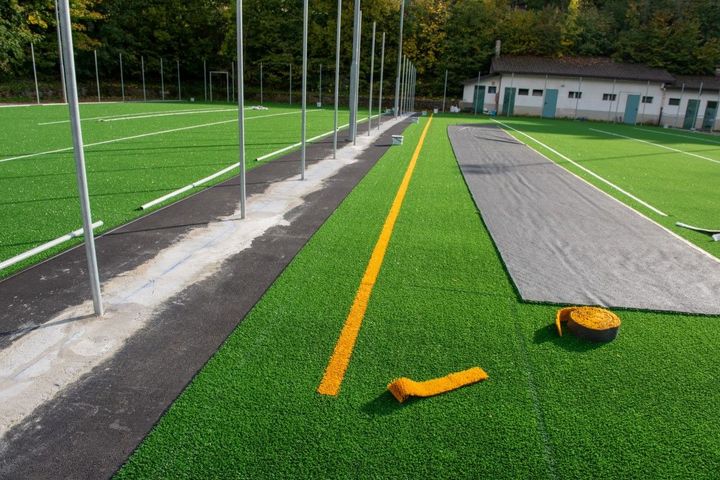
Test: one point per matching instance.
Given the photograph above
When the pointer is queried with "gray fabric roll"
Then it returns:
(564, 241)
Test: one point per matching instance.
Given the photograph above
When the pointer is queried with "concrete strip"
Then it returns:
(564, 241)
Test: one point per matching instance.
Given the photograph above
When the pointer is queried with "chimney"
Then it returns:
(498, 44)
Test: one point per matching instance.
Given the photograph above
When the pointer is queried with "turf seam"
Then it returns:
(549, 451)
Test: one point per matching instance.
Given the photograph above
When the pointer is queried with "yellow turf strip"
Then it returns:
(340, 359)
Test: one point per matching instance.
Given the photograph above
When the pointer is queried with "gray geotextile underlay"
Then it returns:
(564, 241)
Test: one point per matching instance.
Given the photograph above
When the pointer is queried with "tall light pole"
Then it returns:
(303, 127)
(60, 53)
(382, 67)
(354, 67)
(241, 102)
(78, 148)
(399, 60)
(337, 76)
(372, 72)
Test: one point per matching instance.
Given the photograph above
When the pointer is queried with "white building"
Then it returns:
(592, 88)
(692, 103)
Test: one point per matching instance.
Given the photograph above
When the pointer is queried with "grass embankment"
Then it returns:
(644, 406)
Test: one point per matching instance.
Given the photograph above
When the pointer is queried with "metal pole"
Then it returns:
(178, 71)
(372, 71)
(357, 79)
(400, 94)
(97, 75)
(444, 91)
(290, 97)
(400, 48)
(320, 87)
(205, 78)
(241, 103)
(382, 67)
(577, 97)
(210, 81)
(162, 80)
(303, 130)
(122, 79)
(74, 108)
(337, 76)
(611, 100)
(677, 116)
(37, 90)
(475, 94)
(261, 83)
(227, 86)
(60, 53)
(354, 65)
(142, 69)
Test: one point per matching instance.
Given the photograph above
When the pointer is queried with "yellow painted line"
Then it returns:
(340, 359)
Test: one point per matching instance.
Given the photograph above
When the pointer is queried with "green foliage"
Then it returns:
(682, 36)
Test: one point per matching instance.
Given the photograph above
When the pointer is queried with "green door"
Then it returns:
(479, 99)
(631, 109)
(691, 114)
(710, 115)
(550, 103)
(509, 101)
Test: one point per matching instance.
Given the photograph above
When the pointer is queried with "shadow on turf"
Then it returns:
(567, 341)
(385, 404)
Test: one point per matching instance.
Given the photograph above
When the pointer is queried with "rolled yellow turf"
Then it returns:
(403, 388)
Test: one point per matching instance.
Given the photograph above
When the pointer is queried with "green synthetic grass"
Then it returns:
(40, 199)
(682, 186)
(644, 406)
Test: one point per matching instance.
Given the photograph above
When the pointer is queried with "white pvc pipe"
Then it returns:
(45, 246)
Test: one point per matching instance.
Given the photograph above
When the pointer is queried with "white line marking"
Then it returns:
(150, 134)
(285, 149)
(687, 242)
(698, 136)
(228, 169)
(168, 114)
(589, 172)
(656, 145)
(123, 115)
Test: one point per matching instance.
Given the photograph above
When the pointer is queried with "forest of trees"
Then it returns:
(682, 36)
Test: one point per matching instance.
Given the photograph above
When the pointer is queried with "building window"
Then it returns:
(609, 97)
(647, 99)
(574, 94)
(537, 93)
(492, 89)
(523, 91)
(674, 102)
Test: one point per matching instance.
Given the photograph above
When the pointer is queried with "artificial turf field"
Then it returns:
(171, 145)
(644, 406)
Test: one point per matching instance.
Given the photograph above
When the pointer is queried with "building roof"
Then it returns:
(475, 79)
(599, 67)
(693, 82)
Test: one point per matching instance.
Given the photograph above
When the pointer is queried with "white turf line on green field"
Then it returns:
(227, 169)
(656, 145)
(149, 134)
(703, 137)
(687, 242)
(163, 113)
(586, 170)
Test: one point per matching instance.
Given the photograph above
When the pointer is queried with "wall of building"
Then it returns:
(591, 104)
(674, 115)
